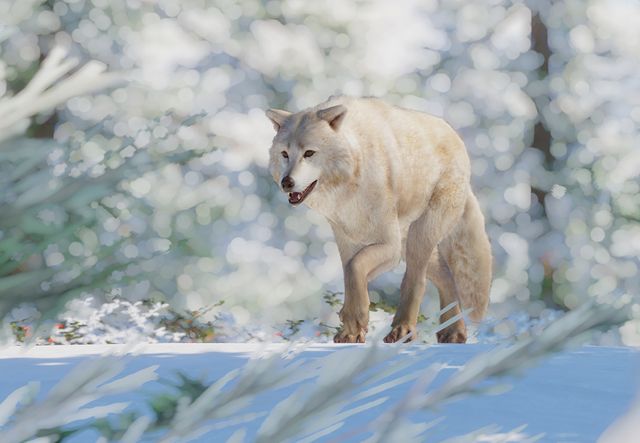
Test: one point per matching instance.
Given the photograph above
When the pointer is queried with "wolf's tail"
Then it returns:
(467, 252)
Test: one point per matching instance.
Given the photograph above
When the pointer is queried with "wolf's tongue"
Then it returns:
(295, 197)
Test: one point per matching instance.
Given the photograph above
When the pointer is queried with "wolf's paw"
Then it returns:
(344, 336)
(452, 335)
(400, 331)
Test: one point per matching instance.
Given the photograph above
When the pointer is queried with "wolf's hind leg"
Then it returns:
(439, 273)
(467, 253)
(444, 210)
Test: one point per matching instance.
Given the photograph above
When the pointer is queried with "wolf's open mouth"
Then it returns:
(295, 198)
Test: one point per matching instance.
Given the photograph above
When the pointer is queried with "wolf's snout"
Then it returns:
(288, 184)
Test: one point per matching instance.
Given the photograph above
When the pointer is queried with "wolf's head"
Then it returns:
(309, 152)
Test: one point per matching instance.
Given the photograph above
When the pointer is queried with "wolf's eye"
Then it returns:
(308, 154)
(284, 154)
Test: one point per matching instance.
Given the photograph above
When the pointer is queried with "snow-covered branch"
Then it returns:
(48, 89)
(504, 361)
(24, 417)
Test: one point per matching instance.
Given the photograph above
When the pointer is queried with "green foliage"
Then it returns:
(165, 405)
(191, 323)
(20, 332)
(185, 326)
(293, 327)
(331, 298)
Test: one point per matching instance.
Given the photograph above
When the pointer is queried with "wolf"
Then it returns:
(394, 184)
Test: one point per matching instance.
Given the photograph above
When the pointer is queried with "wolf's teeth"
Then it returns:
(295, 197)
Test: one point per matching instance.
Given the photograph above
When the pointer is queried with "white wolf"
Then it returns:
(393, 184)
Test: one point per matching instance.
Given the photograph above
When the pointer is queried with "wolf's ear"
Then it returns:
(333, 115)
(277, 117)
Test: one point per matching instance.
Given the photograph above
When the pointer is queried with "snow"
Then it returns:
(571, 397)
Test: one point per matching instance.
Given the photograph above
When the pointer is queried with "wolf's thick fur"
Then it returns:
(394, 184)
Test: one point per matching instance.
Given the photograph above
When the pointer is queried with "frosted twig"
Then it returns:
(314, 410)
(217, 402)
(47, 89)
(502, 362)
(65, 402)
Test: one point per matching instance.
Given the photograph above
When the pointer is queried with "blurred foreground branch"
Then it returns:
(22, 417)
(501, 362)
(47, 89)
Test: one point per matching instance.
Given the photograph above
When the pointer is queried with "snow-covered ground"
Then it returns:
(571, 397)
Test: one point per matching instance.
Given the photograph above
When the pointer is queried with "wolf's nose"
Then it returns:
(288, 184)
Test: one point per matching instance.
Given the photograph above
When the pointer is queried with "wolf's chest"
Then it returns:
(360, 227)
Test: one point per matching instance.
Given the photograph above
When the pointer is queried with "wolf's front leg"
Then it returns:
(367, 263)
